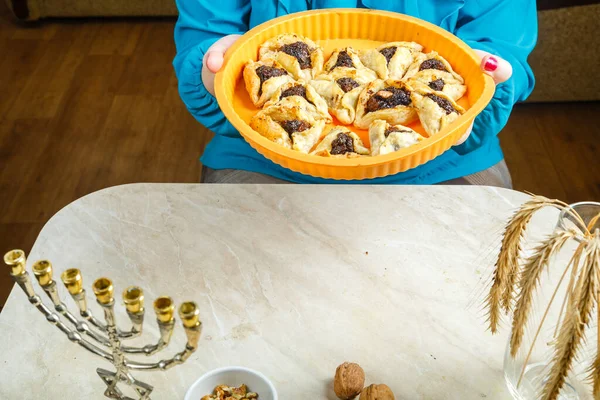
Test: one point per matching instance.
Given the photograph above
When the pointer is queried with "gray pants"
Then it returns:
(498, 176)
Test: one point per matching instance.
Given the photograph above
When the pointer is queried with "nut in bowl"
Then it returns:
(416, 62)
(212, 384)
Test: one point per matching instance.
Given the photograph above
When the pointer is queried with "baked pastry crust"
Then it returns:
(317, 106)
(341, 90)
(436, 110)
(305, 64)
(294, 114)
(441, 81)
(431, 60)
(262, 90)
(402, 113)
(386, 138)
(342, 82)
(391, 60)
(383, 89)
(344, 61)
(340, 142)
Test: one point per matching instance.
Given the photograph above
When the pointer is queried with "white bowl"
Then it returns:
(232, 376)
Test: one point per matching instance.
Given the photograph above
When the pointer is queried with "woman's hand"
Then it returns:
(213, 61)
(496, 67)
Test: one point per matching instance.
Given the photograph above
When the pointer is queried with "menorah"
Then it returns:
(107, 335)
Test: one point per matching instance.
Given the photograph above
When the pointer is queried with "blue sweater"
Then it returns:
(507, 28)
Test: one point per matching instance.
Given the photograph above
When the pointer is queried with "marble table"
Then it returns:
(291, 281)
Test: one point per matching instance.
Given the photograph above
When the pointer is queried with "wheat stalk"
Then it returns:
(582, 295)
(507, 266)
(569, 337)
(575, 260)
(573, 266)
(577, 317)
(595, 261)
(529, 280)
(561, 205)
(510, 258)
(593, 222)
(595, 368)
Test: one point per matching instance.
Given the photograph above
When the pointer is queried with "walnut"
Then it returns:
(349, 381)
(377, 392)
(224, 392)
(384, 94)
(241, 391)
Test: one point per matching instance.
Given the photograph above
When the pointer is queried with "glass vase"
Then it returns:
(526, 374)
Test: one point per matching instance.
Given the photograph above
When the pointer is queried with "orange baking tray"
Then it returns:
(335, 28)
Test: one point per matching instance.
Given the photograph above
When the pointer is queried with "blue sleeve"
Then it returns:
(508, 29)
(201, 23)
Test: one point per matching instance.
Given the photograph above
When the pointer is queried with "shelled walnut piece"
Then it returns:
(224, 392)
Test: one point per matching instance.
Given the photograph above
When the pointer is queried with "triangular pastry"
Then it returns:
(386, 138)
(389, 100)
(436, 109)
(289, 123)
(432, 61)
(391, 60)
(317, 106)
(299, 55)
(263, 79)
(340, 89)
(346, 60)
(439, 81)
(342, 143)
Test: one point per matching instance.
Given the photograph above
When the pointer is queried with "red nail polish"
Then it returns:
(490, 64)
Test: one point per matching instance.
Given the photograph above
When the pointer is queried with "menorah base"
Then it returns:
(113, 392)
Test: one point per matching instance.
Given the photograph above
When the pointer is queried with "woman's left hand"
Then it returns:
(496, 67)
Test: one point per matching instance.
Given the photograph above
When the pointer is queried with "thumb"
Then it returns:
(214, 61)
(465, 136)
(215, 55)
(496, 67)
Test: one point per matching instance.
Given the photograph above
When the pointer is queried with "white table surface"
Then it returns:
(290, 280)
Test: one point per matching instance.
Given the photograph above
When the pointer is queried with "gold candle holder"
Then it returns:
(105, 339)
(43, 272)
(133, 297)
(103, 289)
(189, 314)
(72, 280)
(164, 309)
(16, 260)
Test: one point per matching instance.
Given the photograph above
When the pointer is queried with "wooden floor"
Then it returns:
(89, 104)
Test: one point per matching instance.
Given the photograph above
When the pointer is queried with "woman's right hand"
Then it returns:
(213, 60)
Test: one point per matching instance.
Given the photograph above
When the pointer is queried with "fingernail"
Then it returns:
(490, 64)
